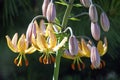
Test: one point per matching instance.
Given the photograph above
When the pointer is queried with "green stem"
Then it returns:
(67, 12)
(57, 65)
(58, 53)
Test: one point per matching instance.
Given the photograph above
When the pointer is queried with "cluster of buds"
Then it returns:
(42, 37)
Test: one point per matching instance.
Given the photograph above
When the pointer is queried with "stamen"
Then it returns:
(73, 66)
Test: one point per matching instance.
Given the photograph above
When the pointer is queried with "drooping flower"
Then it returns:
(76, 60)
(93, 13)
(104, 22)
(47, 44)
(95, 31)
(20, 46)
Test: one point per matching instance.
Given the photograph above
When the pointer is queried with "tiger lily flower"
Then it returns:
(20, 46)
(47, 43)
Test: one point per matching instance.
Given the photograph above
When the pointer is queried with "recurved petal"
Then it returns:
(100, 47)
(30, 50)
(41, 42)
(85, 49)
(34, 42)
(37, 27)
(14, 39)
(10, 45)
(52, 40)
(49, 28)
(60, 44)
(22, 44)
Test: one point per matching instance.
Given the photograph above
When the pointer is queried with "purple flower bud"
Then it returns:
(73, 45)
(44, 7)
(51, 12)
(95, 57)
(93, 13)
(104, 22)
(85, 3)
(30, 30)
(95, 31)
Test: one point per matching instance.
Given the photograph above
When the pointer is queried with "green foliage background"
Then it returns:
(16, 15)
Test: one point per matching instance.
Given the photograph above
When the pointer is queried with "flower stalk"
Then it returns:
(58, 53)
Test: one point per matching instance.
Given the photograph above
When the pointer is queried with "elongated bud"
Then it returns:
(104, 22)
(30, 30)
(95, 57)
(44, 7)
(51, 12)
(95, 31)
(86, 3)
(73, 45)
(93, 13)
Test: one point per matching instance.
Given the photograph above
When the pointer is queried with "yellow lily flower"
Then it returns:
(102, 48)
(47, 43)
(19, 46)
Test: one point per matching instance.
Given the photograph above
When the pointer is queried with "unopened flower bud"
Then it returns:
(30, 30)
(44, 7)
(85, 3)
(73, 45)
(51, 12)
(93, 13)
(104, 22)
(95, 57)
(95, 31)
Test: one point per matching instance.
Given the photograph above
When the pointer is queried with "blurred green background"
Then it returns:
(15, 16)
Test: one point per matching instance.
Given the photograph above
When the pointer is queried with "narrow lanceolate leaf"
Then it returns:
(104, 22)
(95, 31)
(95, 57)
(73, 45)
(93, 13)
(22, 44)
(10, 45)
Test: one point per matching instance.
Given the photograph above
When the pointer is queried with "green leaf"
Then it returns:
(61, 3)
(74, 19)
(77, 5)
